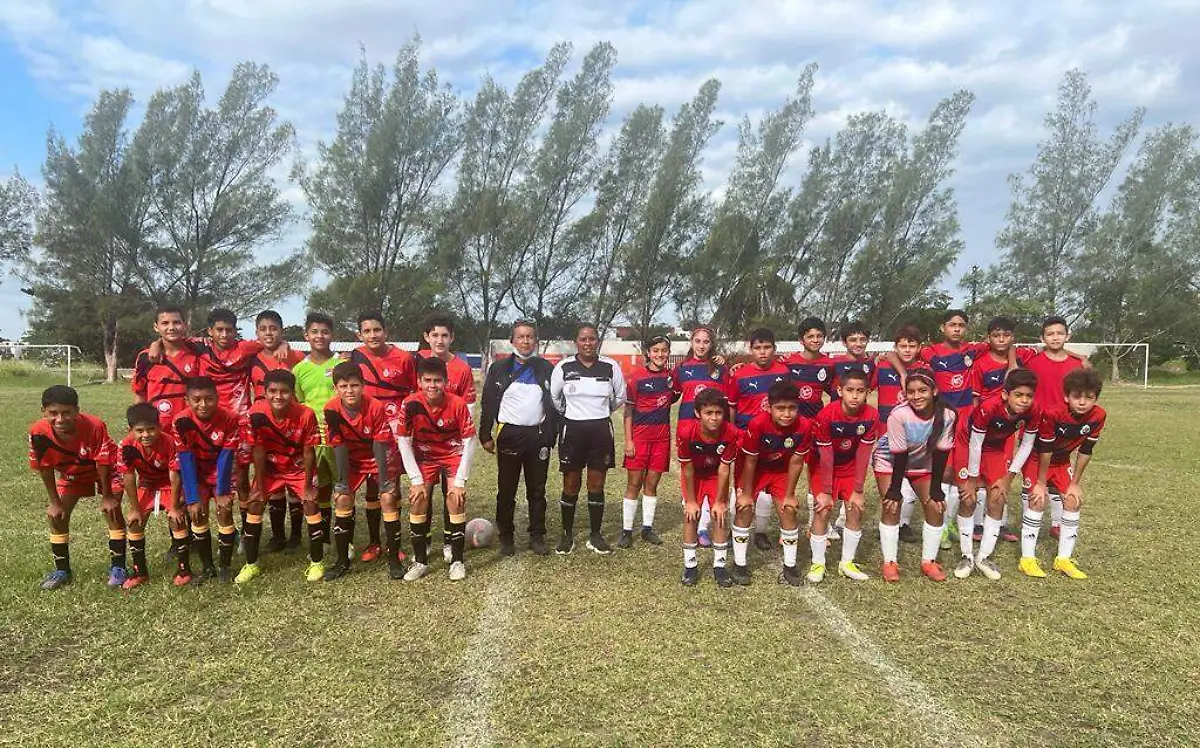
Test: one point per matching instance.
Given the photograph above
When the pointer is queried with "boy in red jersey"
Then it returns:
(268, 330)
(856, 337)
(363, 452)
(1071, 426)
(1054, 362)
(989, 370)
(74, 456)
(984, 454)
(389, 373)
(844, 432)
(436, 435)
(283, 434)
(699, 371)
(206, 438)
(811, 370)
(160, 371)
(707, 446)
(889, 392)
(773, 448)
(650, 392)
(144, 464)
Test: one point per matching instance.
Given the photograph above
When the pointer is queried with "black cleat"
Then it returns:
(293, 543)
(691, 575)
(208, 574)
(761, 541)
(650, 536)
(908, 535)
(224, 574)
(625, 540)
(396, 568)
(740, 575)
(335, 572)
(275, 545)
(507, 549)
(598, 545)
(566, 545)
(790, 575)
(538, 546)
(721, 574)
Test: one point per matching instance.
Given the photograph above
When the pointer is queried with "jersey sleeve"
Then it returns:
(467, 423)
(404, 420)
(310, 432)
(821, 433)
(731, 449)
(234, 434)
(1025, 355)
(979, 418)
(126, 457)
(806, 439)
(751, 439)
(103, 446)
(732, 395)
(381, 427)
(140, 383)
(39, 445)
(683, 446)
(926, 356)
(896, 433)
(298, 390)
(945, 440)
(631, 390)
(469, 394)
(1090, 440)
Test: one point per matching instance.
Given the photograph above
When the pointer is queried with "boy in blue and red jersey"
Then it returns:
(811, 370)
(650, 392)
(855, 336)
(707, 447)
(1001, 357)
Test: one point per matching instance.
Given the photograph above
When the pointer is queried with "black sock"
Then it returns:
(183, 547)
(567, 504)
(116, 550)
(595, 511)
(252, 534)
(420, 540)
(316, 540)
(374, 516)
(458, 540)
(61, 552)
(296, 514)
(343, 533)
(202, 544)
(225, 546)
(277, 512)
(392, 530)
(327, 523)
(243, 512)
(137, 548)
(446, 528)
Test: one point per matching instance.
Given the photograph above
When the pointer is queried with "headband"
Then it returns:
(924, 375)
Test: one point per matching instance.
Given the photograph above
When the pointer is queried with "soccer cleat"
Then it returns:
(1030, 567)
(908, 535)
(315, 571)
(833, 533)
(396, 568)
(458, 571)
(740, 575)
(650, 536)
(447, 553)
(850, 570)
(507, 548)
(625, 539)
(598, 545)
(116, 577)
(538, 546)
(206, 574)
(933, 570)
(946, 544)
(275, 545)
(181, 579)
(1067, 566)
(224, 575)
(964, 568)
(416, 571)
(566, 544)
(293, 543)
(703, 539)
(988, 568)
(55, 579)
(761, 541)
(721, 574)
(136, 579)
(1008, 536)
(1055, 531)
(816, 574)
(691, 575)
(790, 576)
(891, 571)
(248, 573)
(370, 553)
(335, 572)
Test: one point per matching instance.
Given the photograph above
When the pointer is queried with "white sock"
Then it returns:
(1056, 510)
(980, 506)
(719, 551)
(850, 540)
(1068, 534)
(628, 512)
(991, 533)
(649, 504)
(791, 539)
(817, 544)
(705, 516)
(811, 511)
(689, 556)
(951, 493)
(762, 512)
(966, 542)
(840, 522)
(741, 543)
(908, 503)
(1031, 525)
(931, 539)
(1004, 514)
(889, 542)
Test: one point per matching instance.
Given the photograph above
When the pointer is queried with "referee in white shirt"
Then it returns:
(586, 389)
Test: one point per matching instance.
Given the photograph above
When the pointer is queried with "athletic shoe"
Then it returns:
(988, 568)
(206, 574)
(335, 572)
(458, 571)
(136, 579)
(566, 544)
(891, 571)
(370, 553)
(416, 571)
(850, 570)
(691, 575)
(1055, 531)
(946, 544)
(1067, 566)
(181, 579)
(703, 539)
(650, 536)
(834, 533)
(1030, 567)
(625, 539)
(816, 574)
(275, 545)
(761, 541)
(977, 533)
(396, 568)
(721, 574)
(116, 577)
(293, 543)
(447, 554)
(908, 535)
(790, 576)
(964, 568)
(598, 545)
(507, 549)
(315, 571)
(224, 574)
(55, 579)
(740, 575)
(933, 570)
(248, 573)
(538, 546)
(1008, 536)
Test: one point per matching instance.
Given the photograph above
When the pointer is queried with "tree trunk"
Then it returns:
(110, 349)
(1116, 368)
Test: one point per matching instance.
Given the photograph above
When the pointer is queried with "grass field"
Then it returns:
(587, 650)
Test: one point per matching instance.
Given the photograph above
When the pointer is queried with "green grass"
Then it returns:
(586, 650)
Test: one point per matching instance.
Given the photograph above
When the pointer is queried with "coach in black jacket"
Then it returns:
(516, 398)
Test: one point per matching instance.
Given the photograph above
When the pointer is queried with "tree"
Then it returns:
(374, 190)
(18, 207)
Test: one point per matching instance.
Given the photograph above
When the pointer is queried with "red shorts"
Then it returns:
(147, 494)
(922, 476)
(278, 484)
(83, 486)
(774, 484)
(245, 452)
(654, 456)
(707, 489)
(367, 476)
(432, 471)
(993, 464)
(1057, 479)
(843, 486)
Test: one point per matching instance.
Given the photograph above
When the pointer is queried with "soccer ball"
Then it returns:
(481, 533)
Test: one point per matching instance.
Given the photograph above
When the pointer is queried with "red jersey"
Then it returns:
(706, 456)
(834, 429)
(773, 445)
(230, 370)
(1050, 374)
(388, 378)
(358, 431)
(205, 439)
(747, 389)
(437, 432)
(151, 465)
(162, 384)
(264, 362)
(844, 362)
(651, 394)
(692, 376)
(283, 437)
(987, 374)
(952, 370)
(74, 458)
(814, 378)
(460, 380)
(1061, 433)
(889, 390)
(998, 424)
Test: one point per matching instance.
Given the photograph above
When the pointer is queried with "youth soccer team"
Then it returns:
(220, 422)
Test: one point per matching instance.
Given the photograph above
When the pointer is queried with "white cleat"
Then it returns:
(416, 571)
(458, 571)
(447, 554)
(988, 568)
(964, 568)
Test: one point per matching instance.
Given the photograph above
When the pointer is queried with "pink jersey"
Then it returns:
(909, 432)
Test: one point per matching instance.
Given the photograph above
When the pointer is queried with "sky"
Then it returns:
(892, 55)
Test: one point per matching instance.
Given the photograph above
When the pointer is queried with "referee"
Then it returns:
(586, 388)
(516, 398)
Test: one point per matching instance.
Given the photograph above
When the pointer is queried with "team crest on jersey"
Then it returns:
(821, 375)
(967, 360)
(367, 430)
(216, 435)
(720, 449)
(789, 442)
(701, 388)
(956, 380)
(962, 474)
(158, 463)
(1085, 429)
(441, 422)
(390, 408)
(806, 392)
(715, 375)
(187, 368)
(862, 429)
(1026, 484)
(570, 389)
(847, 445)
(387, 372)
(83, 451)
(164, 406)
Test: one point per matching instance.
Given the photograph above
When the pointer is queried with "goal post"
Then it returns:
(46, 355)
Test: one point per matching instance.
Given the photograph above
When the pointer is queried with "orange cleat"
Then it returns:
(933, 570)
(891, 571)
(370, 553)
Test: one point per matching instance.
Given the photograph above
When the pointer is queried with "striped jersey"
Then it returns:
(651, 394)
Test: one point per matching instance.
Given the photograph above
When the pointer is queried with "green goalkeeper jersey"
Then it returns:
(314, 385)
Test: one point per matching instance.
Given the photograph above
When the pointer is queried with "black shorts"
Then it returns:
(587, 444)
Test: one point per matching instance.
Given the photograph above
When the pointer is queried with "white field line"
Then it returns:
(469, 719)
(1122, 466)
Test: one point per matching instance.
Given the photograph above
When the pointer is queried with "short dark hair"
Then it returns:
(60, 394)
(437, 319)
(1001, 324)
(783, 392)
(950, 314)
(859, 374)
(812, 323)
(317, 318)
(431, 365)
(221, 315)
(279, 376)
(587, 326)
(853, 328)
(347, 370)
(371, 314)
(169, 309)
(1083, 382)
(708, 397)
(762, 335)
(1019, 378)
(909, 332)
(141, 413)
(268, 315)
(1055, 319)
(199, 384)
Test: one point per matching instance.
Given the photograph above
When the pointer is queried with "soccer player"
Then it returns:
(1071, 426)
(856, 337)
(699, 371)
(747, 392)
(811, 370)
(283, 434)
(773, 448)
(159, 379)
(357, 431)
(74, 456)
(920, 435)
(844, 433)
(707, 446)
(207, 438)
(989, 434)
(650, 392)
(436, 435)
(889, 392)
(268, 330)
(314, 388)
(144, 459)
